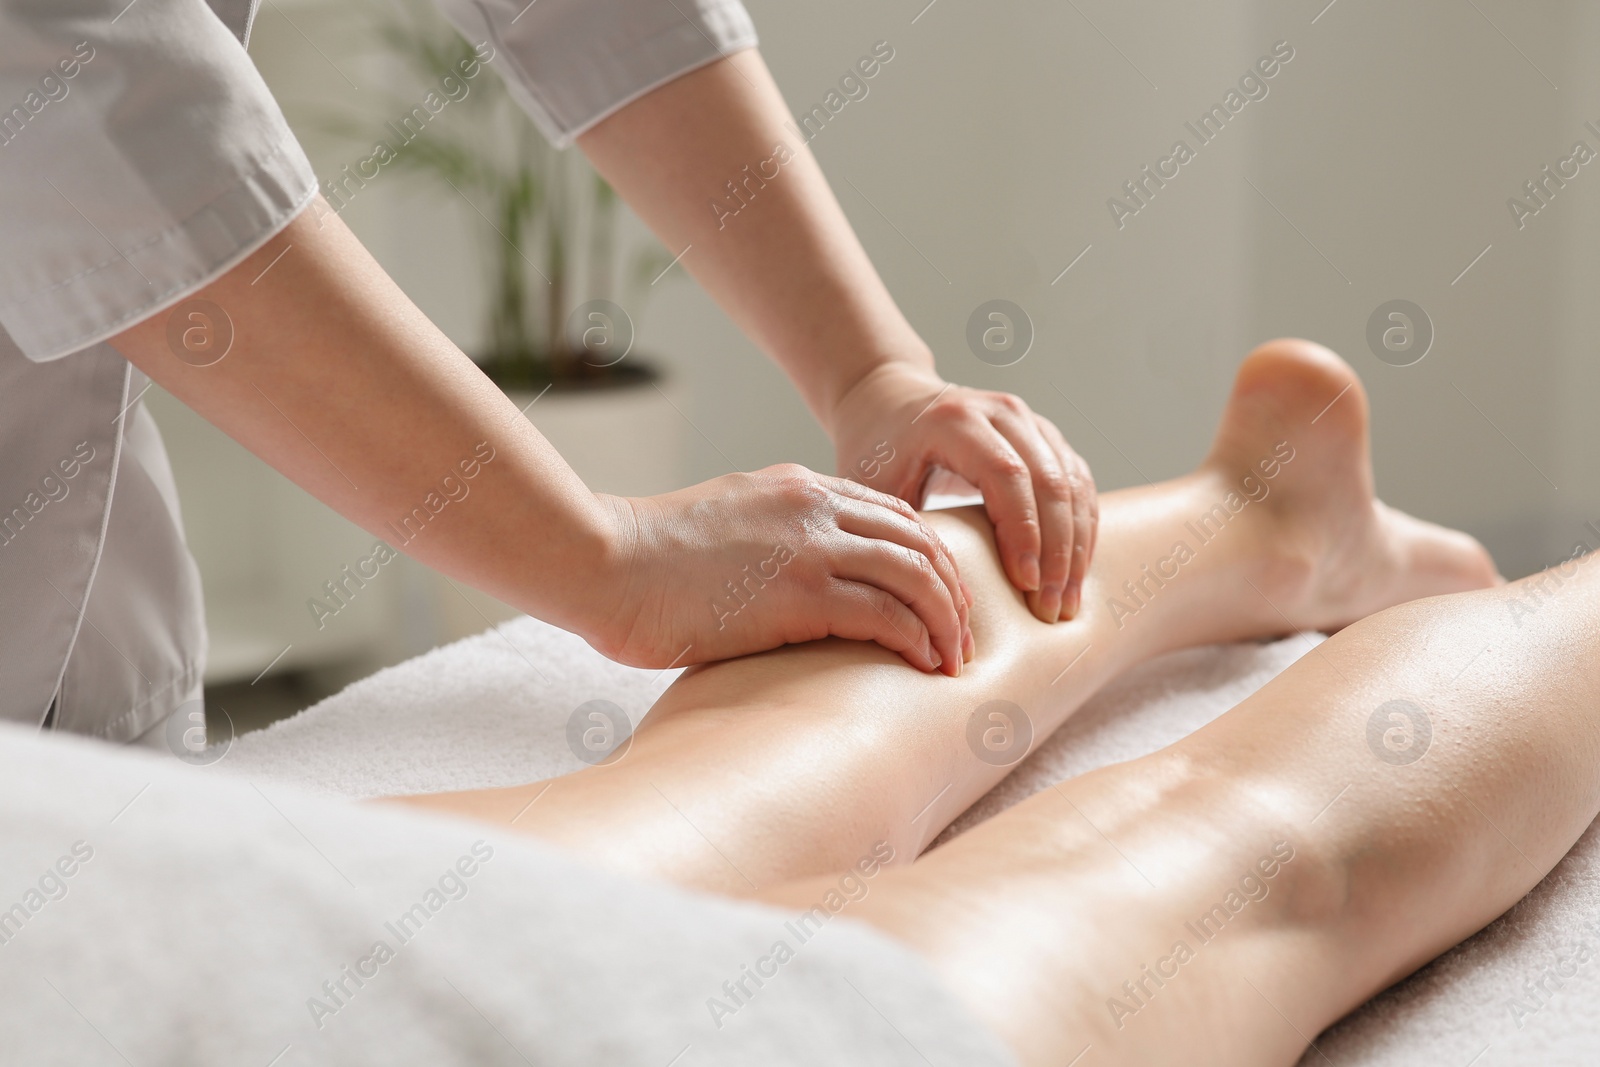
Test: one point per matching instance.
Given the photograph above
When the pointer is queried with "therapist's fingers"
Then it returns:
(880, 558)
(982, 455)
(893, 519)
(1052, 494)
(864, 612)
(1085, 515)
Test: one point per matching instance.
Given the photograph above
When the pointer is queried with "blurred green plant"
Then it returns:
(542, 208)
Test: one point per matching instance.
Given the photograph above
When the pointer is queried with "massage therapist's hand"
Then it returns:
(1038, 492)
(748, 562)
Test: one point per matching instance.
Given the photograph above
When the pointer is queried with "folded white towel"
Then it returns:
(492, 710)
(488, 711)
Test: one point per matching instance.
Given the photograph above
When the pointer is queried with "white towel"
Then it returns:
(492, 710)
(153, 913)
(488, 711)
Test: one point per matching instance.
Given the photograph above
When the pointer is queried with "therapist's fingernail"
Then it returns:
(969, 647)
(1050, 603)
(1073, 601)
(1030, 571)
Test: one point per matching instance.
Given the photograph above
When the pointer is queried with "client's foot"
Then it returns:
(1340, 553)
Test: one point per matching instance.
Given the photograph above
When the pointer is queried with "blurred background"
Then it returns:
(982, 165)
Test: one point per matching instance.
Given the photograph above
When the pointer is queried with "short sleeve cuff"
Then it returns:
(143, 159)
(572, 63)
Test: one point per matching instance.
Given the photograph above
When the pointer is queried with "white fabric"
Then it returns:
(105, 612)
(571, 63)
(141, 156)
(141, 652)
(485, 712)
(155, 913)
(159, 162)
(492, 710)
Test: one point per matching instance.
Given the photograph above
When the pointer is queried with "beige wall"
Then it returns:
(1401, 138)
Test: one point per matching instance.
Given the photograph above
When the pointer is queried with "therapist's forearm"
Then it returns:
(337, 380)
(787, 268)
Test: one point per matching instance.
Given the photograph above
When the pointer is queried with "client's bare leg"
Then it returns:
(798, 761)
(1225, 899)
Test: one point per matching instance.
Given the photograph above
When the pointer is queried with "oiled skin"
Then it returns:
(751, 777)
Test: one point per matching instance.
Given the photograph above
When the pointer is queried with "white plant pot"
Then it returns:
(630, 441)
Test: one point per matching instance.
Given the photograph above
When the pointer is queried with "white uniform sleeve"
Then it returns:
(571, 63)
(141, 157)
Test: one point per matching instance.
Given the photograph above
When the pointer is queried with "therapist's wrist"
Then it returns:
(603, 575)
(569, 581)
(845, 391)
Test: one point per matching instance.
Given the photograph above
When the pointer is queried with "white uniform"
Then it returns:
(141, 156)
